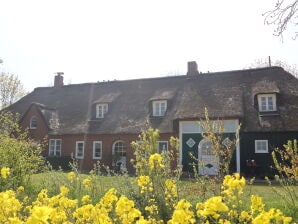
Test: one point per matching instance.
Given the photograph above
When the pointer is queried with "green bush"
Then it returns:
(58, 163)
(18, 152)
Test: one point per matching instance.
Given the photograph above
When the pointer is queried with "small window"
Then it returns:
(79, 149)
(162, 146)
(261, 146)
(159, 108)
(33, 122)
(101, 110)
(267, 102)
(97, 149)
(55, 147)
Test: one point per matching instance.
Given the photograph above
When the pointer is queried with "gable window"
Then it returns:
(267, 102)
(261, 146)
(79, 149)
(159, 108)
(97, 149)
(101, 110)
(33, 122)
(55, 147)
(162, 146)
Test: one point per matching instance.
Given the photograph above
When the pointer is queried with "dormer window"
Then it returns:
(33, 122)
(267, 102)
(159, 108)
(101, 110)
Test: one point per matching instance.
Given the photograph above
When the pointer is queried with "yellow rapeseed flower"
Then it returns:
(71, 176)
(182, 213)
(256, 204)
(86, 199)
(5, 171)
(212, 207)
(39, 214)
(155, 161)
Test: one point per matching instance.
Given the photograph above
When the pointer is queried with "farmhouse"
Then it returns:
(98, 121)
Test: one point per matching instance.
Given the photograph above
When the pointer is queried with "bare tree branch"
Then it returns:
(283, 14)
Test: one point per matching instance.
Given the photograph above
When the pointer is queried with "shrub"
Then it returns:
(18, 152)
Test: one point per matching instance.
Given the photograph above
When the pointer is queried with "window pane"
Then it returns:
(162, 146)
(97, 149)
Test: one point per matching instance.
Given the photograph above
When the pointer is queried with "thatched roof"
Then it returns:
(228, 94)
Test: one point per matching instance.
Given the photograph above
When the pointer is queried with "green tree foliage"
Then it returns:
(17, 151)
(286, 163)
(11, 89)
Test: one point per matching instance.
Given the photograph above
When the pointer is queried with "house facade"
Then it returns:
(98, 121)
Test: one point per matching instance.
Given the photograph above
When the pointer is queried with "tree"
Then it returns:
(283, 14)
(11, 89)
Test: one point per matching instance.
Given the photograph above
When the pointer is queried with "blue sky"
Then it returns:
(96, 40)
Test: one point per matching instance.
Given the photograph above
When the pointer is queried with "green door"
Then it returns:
(190, 144)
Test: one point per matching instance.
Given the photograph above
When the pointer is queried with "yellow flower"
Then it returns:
(233, 185)
(211, 207)
(144, 182)
(182, 213)
(64, 190)
(5, 171)
(86, 199)
(39, 214)
(126, 211)
(71, 176)
(155, 161)
(170, 189)
(256, 204)
(87, 182)
(20, 189)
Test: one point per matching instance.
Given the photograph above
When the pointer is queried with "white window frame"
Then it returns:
(257, 144)
(159, 150)
(77, 148)
(266, 105)
(101, 110)
(94, 148)
(157, 108)
(33, 119)
(56, 147)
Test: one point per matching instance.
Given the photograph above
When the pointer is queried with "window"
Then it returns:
(162, 146)
(261, 146)
(79, 149)
(205, 148)
(101, 110)
(119, 154)
(119, 149)
(159, 108)
(97, 149)
(267, 102)
(55, 147)
(33, 122)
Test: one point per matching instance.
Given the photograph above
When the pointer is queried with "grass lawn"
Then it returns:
(188, 189)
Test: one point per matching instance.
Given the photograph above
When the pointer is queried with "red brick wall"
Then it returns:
(41, 130)
(69, 147)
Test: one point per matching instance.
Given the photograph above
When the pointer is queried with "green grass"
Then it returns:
(188, 189)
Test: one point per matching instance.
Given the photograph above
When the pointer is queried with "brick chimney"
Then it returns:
(192, 68)
(58, 81)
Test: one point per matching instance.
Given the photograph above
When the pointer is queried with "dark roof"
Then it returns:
(228, 94)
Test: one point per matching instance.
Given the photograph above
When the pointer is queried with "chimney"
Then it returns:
(58, 81)
(192, 68)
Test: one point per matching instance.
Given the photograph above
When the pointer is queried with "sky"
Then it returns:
(100, 40)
